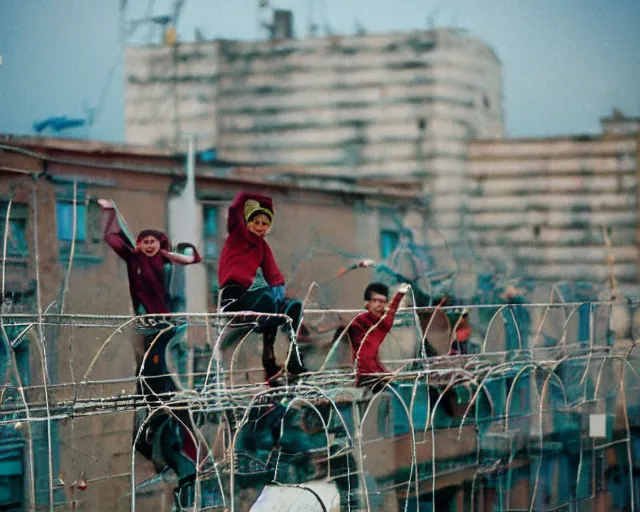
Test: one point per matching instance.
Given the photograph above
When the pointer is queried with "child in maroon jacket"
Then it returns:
(244, 252)
(150, 271)
(149, 263)
(368, 330)
(146, 262)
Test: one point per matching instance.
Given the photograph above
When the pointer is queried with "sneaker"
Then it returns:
(272, 369)
(275, 382)
(184, 495)
(273, 376)
(295, 365)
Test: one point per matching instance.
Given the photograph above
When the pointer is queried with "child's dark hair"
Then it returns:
(157, 234)
(379, 288)
(256, 213)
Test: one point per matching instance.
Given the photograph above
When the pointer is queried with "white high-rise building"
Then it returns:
(394, 106)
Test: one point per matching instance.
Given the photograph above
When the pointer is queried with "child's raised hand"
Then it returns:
(404, 288)
(184, 259)
(105, 204)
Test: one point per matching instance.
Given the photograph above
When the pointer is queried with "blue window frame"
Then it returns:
(210, 231)
(64, 213)
(11, 441)
(21, 353)
(75, 202)
(211, 247)
(388, 242)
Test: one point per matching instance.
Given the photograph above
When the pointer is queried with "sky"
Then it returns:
(566, 63)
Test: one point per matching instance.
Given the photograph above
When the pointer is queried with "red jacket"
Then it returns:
(243, 252)
(367, 332)
(146, 274)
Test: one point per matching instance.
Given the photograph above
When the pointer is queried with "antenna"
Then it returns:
(433, 15)
(328, 30)
(312, 26)
(122, 21)
(199, 35)
(167, 23)
(177, 11)
(266, 27)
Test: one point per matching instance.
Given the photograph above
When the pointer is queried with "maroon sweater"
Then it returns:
(243, 252)
(146, 274)
(367, 332)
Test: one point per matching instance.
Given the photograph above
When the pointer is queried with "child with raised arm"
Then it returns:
(244, 252)
(146, 261)
(149, 264)
(150, 271)
(369, 329)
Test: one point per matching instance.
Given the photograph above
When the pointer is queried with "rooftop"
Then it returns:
(151, 160)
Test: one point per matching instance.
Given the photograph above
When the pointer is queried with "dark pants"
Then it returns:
(236, 298)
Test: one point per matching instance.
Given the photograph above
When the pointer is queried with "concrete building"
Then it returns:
(54, 260)
(397, 105)
(620, 124)
(561, 207)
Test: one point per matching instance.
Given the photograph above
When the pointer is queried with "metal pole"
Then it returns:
(190, 201)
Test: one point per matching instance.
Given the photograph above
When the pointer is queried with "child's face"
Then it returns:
(259, 225)
(376, 303)
(149, 245)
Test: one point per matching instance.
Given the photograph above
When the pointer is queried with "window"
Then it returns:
(65, 211)
(389, 228)
(388, 242)
(210, 248)
(16, 230)
(11, 448)
(536, 230)
(78, 224)
(210, 228)
(21, 354)
(4, 365)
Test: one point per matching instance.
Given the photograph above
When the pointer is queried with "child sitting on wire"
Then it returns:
(244, 252)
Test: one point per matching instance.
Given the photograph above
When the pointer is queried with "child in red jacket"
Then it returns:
(244, 252)
(368, 330)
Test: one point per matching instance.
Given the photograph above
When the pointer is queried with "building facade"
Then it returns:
(514, 451)
(398, 105)
(54, 261)
(558, 208)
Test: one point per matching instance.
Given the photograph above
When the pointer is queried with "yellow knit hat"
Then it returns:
(251, 207)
